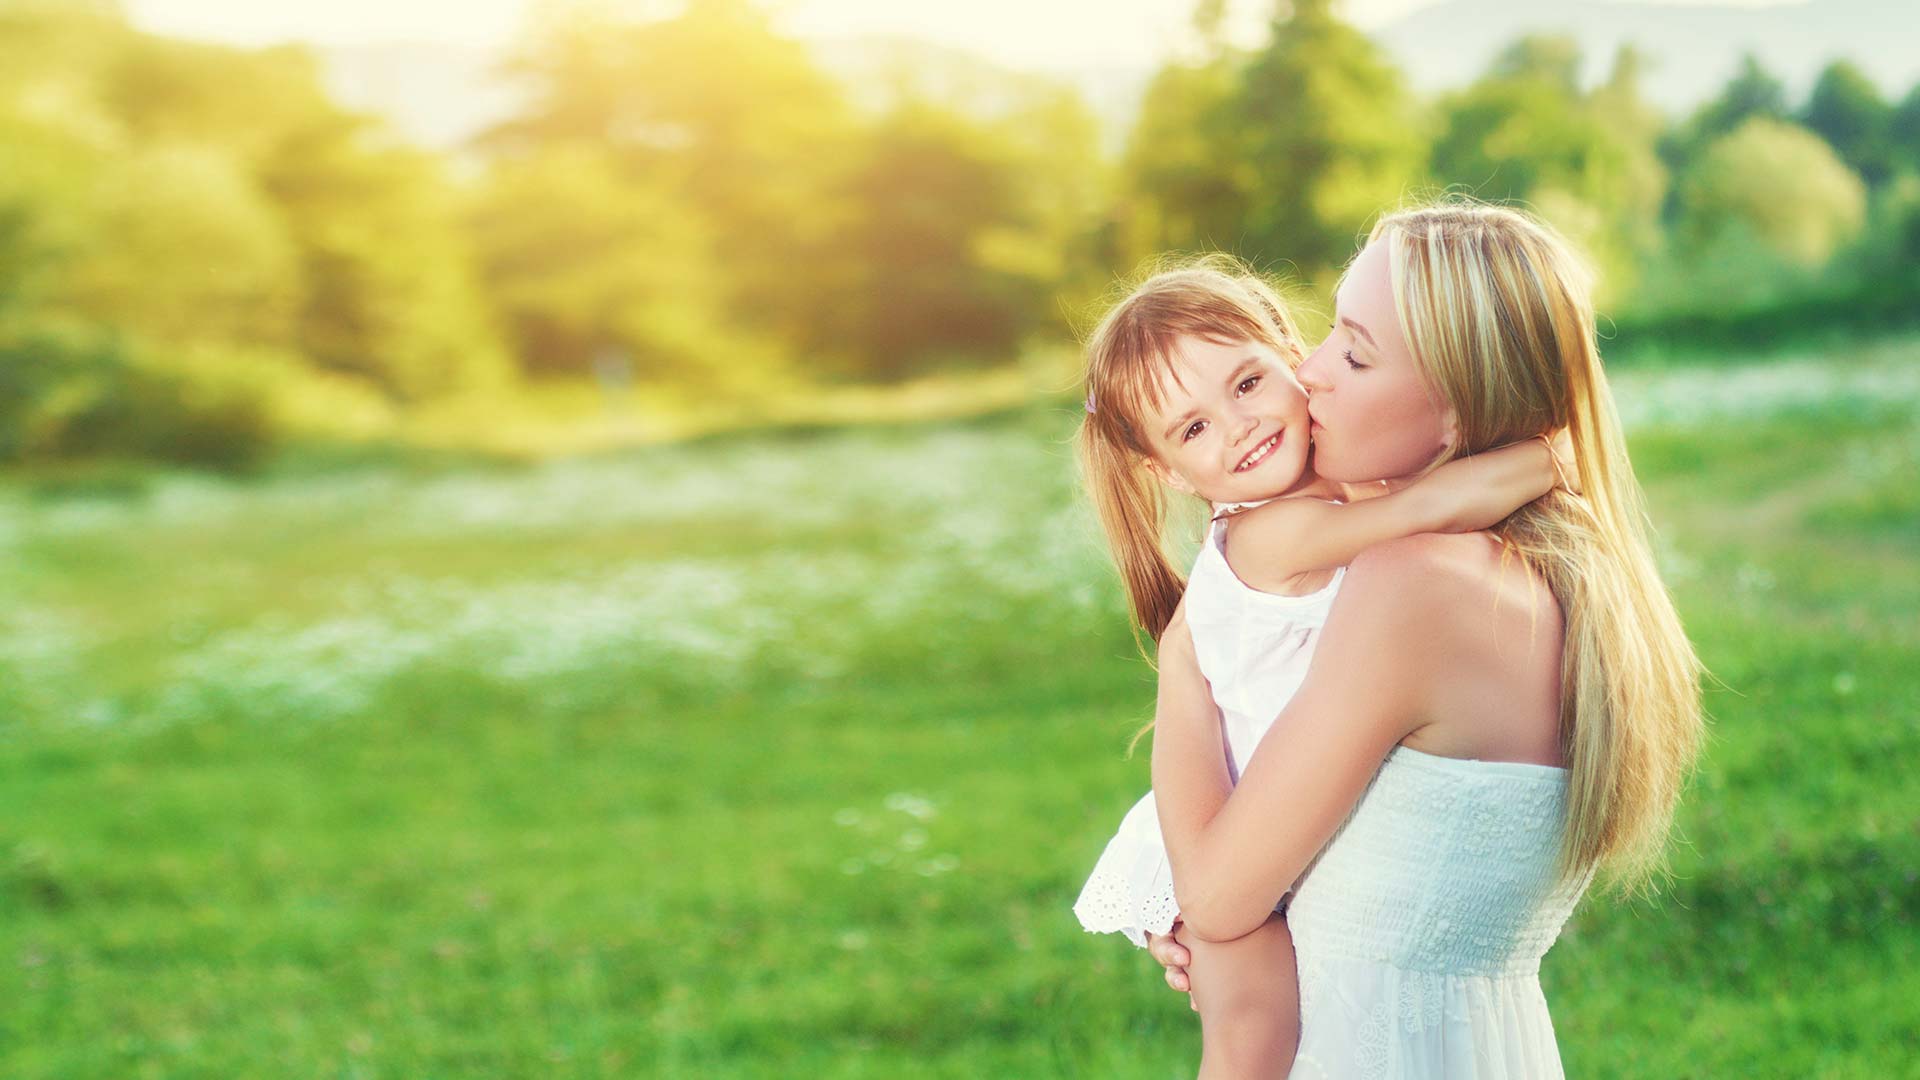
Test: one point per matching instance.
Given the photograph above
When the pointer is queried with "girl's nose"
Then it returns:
(1246, 425)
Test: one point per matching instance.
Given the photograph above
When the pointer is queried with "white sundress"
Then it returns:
(1420, 926)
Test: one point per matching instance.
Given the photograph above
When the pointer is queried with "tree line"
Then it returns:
(201, 254)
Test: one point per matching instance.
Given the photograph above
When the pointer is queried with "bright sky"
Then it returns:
(1022, 33)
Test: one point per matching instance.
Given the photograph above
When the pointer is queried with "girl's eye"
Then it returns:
(1193, 429)
(1248, 382)
(1352, 364)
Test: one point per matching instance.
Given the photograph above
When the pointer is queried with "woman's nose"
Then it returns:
(1310, 372)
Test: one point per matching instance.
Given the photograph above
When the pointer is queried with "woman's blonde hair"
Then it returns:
(1213, 296)
(1497, 310)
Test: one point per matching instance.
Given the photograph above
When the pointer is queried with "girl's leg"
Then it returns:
(1248, 994)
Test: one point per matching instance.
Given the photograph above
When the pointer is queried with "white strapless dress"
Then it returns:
(1420, 926)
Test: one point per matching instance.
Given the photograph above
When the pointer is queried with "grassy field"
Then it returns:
(785, 755)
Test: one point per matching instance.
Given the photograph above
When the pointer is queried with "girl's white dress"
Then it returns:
(1419, 928)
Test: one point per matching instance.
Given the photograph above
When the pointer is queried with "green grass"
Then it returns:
(786, 755)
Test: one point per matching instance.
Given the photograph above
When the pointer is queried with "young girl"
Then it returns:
(1191, 388)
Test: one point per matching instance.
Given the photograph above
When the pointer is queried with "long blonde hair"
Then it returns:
(1213, 296)
(1497, 309)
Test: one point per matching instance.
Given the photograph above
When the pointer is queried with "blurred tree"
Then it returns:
(181, 246)
(1182, 186)
(1782, 183)
(1903, 131)
(1845, 109)
(1524, 131)
(711, 106)
(1753, 91)
(186, 230)
(1551, 60)
(1327, 130)
(389, 292)
(577, 257)
(939, 265)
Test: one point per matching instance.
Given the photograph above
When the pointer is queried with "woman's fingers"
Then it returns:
(1166, 950)
(1170, 955)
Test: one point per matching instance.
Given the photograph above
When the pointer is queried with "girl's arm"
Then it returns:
(1194, 763)
(1271, 544)
(1235, 850)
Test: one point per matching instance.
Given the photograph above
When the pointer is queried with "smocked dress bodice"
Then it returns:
(1420, 927)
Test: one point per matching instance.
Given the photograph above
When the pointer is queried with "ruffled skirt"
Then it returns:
(1130, 891)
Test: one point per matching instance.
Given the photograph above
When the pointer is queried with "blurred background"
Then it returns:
(538, 537)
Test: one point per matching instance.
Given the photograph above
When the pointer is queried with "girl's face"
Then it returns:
(1232, 422)
(1374, 417)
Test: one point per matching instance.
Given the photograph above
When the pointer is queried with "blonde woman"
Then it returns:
(1490, 718)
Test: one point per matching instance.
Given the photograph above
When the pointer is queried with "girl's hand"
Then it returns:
(1174, 957)
(1568, 472)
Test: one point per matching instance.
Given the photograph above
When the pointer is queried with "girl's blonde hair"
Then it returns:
(1497, 310)
(1213, 296)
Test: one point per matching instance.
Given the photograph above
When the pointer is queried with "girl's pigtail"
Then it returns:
(1133, 513)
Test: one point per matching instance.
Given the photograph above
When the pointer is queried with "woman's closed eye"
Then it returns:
(1352, 364)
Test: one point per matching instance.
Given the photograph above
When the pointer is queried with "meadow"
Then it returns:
(784, 754)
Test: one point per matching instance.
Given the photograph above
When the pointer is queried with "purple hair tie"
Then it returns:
(1089, 401)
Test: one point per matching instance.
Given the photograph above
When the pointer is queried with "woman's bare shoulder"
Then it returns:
(1427, 564)
(1444, 580)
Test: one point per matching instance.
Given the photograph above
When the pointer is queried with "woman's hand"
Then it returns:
(1167, 950)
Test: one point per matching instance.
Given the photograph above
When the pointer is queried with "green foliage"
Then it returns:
(938, 263)
(690, 190)
(390, 293)
(1325, 127)
(577, 258)
(209, 232)
(1183, 189)
(1525, 132)
(1845, 109)
(1753, 91)
(1903, 131)
(1281, 155)
(74, 392)
(180, 245)
(1779, 182)
(733, 120)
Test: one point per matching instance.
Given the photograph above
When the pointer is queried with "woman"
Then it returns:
(1468, 747)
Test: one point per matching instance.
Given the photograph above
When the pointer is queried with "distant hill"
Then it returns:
(439, 95)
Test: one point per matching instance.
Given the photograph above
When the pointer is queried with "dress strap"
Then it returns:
(1228, 509)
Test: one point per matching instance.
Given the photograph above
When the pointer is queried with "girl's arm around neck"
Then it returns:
(1270, 545)
(1235, 850)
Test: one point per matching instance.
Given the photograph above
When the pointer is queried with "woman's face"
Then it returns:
(1374, 417)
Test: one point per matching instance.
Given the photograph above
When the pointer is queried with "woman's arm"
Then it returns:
(1271, 544)
(1236, 850)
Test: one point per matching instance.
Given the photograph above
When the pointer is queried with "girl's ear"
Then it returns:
(1167, 476)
